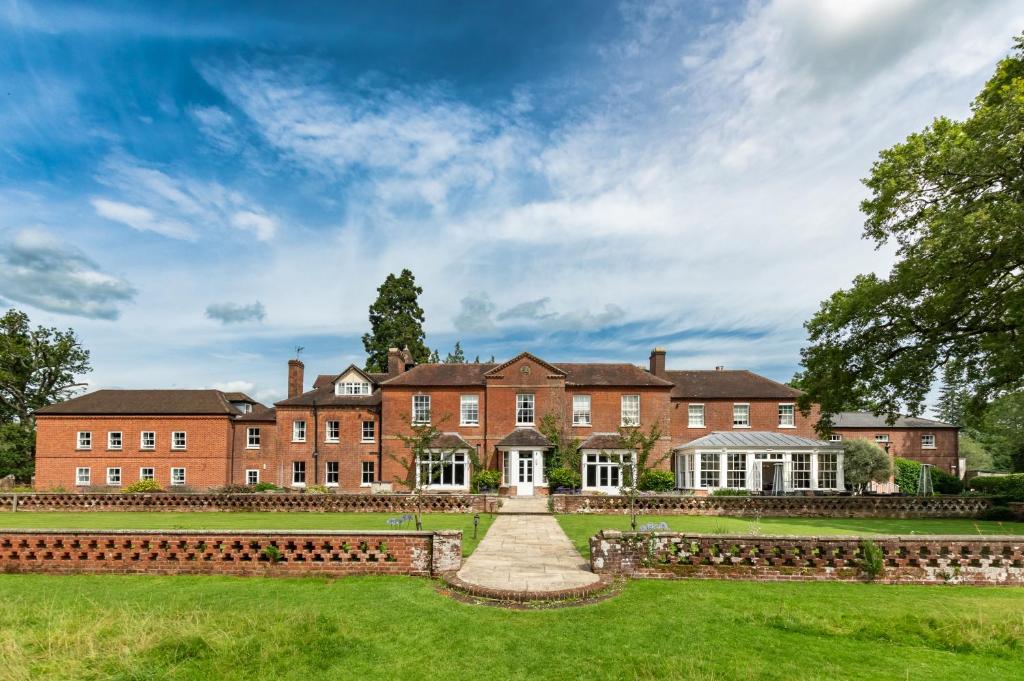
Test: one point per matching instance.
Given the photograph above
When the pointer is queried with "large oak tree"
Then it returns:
(950, 199)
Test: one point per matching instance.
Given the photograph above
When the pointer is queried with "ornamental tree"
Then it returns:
(396, 321)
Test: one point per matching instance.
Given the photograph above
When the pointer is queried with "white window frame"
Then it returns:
(373, 431)
(881, 438)
(421, 409)
(178, 476)
(582, 412)
(526, 409)
(298, 467)
(142, 440)
(469, 410)
(709, 472)
(80, 480)
(114, 479)
(736, 410)
(335, 425)
(143, 475)
(607, 470)
(252, 476)
(328, 473)
(120, 439)
(791, 416)
(252, 437)
(927, 440)
(694, 410)
(299, 430)
(368, 467)
(352, 388)
(183, 438)
(625, 418)
(828, 470)
(801, 470)
(835, 437)
(446, 464)
(84, 440)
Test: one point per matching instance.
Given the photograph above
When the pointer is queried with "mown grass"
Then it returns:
(146, 627)
(580, 527)
(143, 520)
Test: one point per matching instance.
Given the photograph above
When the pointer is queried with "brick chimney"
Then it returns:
(295, 368)
(396, 361)
(658, 362)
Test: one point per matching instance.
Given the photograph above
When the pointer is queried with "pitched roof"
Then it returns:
(258, 413)
(603, 441)
(525, 437)
(526, 355)
(727, 383)
(576, 374)
(239, 397)
(144, 402)
(865, 419)
(756, 439)
(450, 441)
(324, 396)
(327, 379)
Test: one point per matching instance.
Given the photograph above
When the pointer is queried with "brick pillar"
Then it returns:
(446, 551)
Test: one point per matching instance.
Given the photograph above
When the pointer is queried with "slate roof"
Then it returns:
(258, 413)
(143, 402)
(603, 441)
(525, 437)
(239, 397)
(726, 383)
(757, 440)
(324, 396)
(327, 379)
(576, 374)
(865, 419)
(450, 441)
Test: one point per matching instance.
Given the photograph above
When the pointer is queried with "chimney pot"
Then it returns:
(396, 361)
(720, 368)
(295, 370)
(658, 362)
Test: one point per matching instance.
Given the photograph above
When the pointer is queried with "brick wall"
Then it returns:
(335, 503)
(264, 459)
(262, 553)
(349, 452)
(205, 458)
(916, 559)
(718, 415)
(906, 443)
(783, 507)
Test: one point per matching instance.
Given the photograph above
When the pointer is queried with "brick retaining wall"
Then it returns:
(785, 507)
(294, 553)
(915, 559)
(350, 503)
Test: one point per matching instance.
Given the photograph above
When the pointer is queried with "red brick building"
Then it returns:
(920, 439)
(346, 431)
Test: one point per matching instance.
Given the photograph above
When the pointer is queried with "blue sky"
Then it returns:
(197, 189)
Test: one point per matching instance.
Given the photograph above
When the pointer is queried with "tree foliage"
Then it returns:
(17, 449)
(950, 201)
(37, 367)
(643, 444)
(396, 321)
(456, 356)
(864, 462)
(565, 452)
(1000, 431)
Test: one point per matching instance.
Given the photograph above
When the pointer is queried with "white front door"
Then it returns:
(524, 474)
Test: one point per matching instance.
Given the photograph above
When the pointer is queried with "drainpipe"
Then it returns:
(380, 440)
(231, 454)
(316, 440)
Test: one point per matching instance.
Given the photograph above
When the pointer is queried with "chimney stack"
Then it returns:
(658, 362)
(396, 361)
(295, 368)
(719, 368)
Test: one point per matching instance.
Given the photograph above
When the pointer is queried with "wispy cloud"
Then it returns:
(39, 269)
(176, 207)
(236, 313)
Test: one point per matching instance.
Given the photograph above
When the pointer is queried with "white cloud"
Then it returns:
(178, 207)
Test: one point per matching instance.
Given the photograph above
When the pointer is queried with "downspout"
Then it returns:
(231, 455)
(380, 439)
(316, 440)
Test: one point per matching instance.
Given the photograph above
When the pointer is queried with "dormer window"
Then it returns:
(351, 388)
(243, 407)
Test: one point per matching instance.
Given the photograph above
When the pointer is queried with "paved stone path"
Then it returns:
(526, 550)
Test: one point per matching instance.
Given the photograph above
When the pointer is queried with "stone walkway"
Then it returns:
(526, 551)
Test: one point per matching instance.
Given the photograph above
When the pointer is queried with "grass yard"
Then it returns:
(580, 527)
(147, 627)
(143, 520)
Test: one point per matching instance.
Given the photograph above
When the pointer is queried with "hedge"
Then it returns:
(1009, 487)
(907, 472)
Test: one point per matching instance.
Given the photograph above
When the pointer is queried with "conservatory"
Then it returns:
(759, 462)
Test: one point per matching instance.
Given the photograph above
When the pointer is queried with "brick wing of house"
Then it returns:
(718, 428)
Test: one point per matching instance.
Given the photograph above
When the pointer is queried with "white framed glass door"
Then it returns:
(524, 474)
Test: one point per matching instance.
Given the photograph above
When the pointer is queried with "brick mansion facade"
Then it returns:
(718, 428)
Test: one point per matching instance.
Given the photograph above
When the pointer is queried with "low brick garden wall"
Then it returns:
(349, 503)
(783, 507)
(261, 553)
(916, 559)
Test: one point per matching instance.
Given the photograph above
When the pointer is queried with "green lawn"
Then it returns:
(147, 627)
(143, 520)
(580, 527)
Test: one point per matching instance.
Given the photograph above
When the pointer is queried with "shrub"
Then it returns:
(946, 483)
(272, 553)
(265, 487)
(907, 474)
(730, 492)
(1009, 487)
(318, 489)
(234, 489)
(142, 486)
(485, 479)
(656, 481)
(997, 513)
(873, 561)
(564, 477)
(864, 462)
